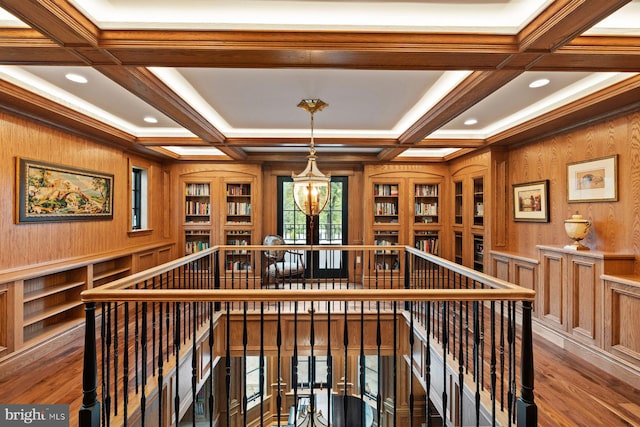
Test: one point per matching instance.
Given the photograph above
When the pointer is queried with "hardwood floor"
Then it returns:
(568, 391)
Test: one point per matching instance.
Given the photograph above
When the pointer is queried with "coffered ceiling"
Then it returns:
(404, 80)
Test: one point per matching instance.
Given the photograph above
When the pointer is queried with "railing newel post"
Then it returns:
(89, 414)
(527, 410)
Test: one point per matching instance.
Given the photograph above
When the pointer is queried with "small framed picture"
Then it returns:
(531, 201)
(593, 180)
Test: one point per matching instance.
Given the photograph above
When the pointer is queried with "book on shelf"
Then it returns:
(195, 246)
(426, 190)
(385, 190)
(199, 190)
(238, 208)
(429, 245)
(238, 189)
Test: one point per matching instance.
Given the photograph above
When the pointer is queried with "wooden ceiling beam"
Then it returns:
(22, 46)
(563, 21)
(59, 21)
(63, 24)
(552, 41)
(304, 142)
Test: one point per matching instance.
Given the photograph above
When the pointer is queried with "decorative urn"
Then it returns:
(577, 229)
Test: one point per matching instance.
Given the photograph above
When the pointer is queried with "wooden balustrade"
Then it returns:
(422, 315)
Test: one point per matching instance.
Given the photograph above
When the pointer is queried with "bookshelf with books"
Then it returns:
(238, 203)
(197, 203)
(427, 241)
(197, 216)
(219, 210)
(385, 203)
(402, 207)
(386, 258)
(239, 259)
(426, 225)
(426, 203)
(238, 224)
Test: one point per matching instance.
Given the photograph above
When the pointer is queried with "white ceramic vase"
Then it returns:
(577, 229)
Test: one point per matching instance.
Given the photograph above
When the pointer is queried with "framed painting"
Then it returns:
(531, 201)
(593, 180)
(48, 192)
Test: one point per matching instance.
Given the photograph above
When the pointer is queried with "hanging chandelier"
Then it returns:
(311, 188)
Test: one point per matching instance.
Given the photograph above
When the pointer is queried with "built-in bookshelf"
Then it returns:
(238, 259)
(468, 225)
(457, 200)
(386, 258)
(197, 217)
(237, 226)
(219, 210)
(406, 210)
(426, 203)
(478, 252)
(385, 203)
(110, 270)
(238, 203)
(52, 302)
(478, 201)
(427, 241)
(197, 203)
(457, 247)
(426, 217)
(46, 298)
(196, 240)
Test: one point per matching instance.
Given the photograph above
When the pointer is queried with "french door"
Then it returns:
(328, 228)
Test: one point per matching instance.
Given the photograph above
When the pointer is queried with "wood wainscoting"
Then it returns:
(587, 302)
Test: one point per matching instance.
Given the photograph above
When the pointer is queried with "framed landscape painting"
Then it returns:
(48, 192)
(531, 201)
(593, 180)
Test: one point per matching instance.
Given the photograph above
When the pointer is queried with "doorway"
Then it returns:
(328, 228)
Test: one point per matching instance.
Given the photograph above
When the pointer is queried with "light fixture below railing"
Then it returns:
(311, 188)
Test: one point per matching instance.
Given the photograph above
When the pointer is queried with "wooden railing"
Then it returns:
(423, 315)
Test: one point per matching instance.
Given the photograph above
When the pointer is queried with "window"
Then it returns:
(252, 378)
(313, 371)
(138, 198)
(371, 376)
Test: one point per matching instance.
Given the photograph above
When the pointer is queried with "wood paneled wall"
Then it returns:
(33, 243)
(616, 225)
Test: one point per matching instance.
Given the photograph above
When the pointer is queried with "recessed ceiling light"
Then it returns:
(76, 78)
(150, 119)
(539, 83)
(470, 122)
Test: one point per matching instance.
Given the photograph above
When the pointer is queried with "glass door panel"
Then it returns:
(329, 228)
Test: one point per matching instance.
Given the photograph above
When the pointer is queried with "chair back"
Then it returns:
(276, 255)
